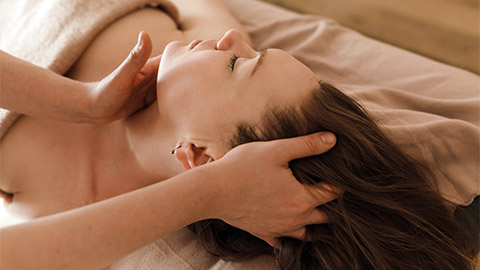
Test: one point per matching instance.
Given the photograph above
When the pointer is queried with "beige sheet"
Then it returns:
(431, 109)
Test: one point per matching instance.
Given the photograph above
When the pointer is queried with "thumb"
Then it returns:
(305, 146)
(136, 59)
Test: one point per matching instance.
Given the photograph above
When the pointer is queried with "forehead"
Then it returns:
(284, 63)
(282, 78)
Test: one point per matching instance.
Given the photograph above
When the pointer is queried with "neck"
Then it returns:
(134, 153)
(150, 138)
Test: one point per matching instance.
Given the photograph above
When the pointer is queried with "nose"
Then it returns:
(233, 40)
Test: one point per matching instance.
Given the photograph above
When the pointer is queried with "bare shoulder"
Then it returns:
(204, 19)
(113, 44)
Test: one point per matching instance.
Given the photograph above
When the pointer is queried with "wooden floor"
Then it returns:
(444, 30)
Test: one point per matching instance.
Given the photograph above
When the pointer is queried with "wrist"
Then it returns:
(87, 105)
(81, 106)
(210, 191)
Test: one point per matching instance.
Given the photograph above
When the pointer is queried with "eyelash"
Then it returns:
(232, 62)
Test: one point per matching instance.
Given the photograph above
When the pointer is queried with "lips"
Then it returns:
(194, 43)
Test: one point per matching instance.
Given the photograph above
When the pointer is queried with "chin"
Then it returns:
(171, 58)
(174, 48)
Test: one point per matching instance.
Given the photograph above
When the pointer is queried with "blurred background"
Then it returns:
(444, 30)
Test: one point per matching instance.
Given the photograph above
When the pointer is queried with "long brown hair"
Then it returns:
(390, 217)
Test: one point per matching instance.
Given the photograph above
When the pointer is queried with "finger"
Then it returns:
(151, 67)
(148, 74)
(304, 146)
(322, 193)
(316, 217)
(151, 96)
(299, 234)
(154, 61)
(270, 241)
(136, 59)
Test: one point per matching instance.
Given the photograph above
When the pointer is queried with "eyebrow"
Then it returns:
(263, 53)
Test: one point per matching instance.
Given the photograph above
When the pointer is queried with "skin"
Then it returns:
(83, 179)
(187, 111)
(90, 147)
(48, 95)
(202, 110)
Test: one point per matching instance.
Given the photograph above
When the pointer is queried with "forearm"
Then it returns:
(95, 236)
(34, 91)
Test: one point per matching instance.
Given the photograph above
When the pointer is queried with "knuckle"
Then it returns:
(333, 191)
(311, 144)
(303, 207)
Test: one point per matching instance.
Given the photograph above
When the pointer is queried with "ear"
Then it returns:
(192, 155)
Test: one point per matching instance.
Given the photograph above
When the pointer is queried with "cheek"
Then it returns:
(194, 87)
(173, 98)
(192, 97)
(191, 85)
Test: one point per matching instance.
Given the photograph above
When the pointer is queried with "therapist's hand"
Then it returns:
(259, 193)
(131, 87)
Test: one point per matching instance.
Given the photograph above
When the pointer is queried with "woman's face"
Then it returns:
(205, 88)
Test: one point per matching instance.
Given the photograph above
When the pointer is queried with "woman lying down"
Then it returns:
(211, 96)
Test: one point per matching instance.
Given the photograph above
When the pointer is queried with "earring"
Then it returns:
(175, 149)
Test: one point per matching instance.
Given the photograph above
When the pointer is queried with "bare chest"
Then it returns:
(113, 44)
(46, 165)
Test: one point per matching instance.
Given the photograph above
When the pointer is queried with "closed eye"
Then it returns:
(233, 60)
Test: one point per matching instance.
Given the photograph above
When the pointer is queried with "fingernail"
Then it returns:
(328, 137)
